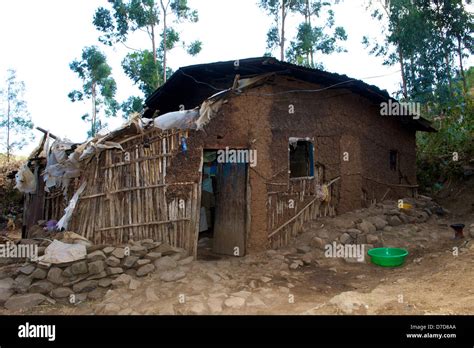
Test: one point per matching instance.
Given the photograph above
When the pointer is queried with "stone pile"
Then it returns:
(104, 267)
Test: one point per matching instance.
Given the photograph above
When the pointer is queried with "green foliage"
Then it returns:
(194, 48)
(147, 68)
(98, 86)
(429, 39)
(15, 120)
(131, 106)
(310, 39)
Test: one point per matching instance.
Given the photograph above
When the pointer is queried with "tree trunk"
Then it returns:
(402, 68)
(164, 45)
(311, 52)
(282, 42)
(461, 67)
(94, 110)
(153, 44)
(8, 124)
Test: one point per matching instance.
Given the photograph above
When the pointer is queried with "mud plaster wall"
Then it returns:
(341, 121)
(241, 123)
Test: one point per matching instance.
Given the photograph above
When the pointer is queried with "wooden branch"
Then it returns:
(292, 219)
(46, 132)
(120, 164)
(128, 189)
(142, 224)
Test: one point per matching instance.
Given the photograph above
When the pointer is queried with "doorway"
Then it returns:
(223, 214)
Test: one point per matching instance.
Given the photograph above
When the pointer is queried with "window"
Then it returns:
(301, 159)
(393, 160)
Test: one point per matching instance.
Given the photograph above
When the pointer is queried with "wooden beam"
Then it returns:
(46, 132)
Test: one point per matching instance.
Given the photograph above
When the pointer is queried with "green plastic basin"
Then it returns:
(388, 257)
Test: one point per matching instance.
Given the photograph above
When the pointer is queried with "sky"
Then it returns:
(40, 38)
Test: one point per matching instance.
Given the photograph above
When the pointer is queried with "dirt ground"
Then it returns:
(437, 278)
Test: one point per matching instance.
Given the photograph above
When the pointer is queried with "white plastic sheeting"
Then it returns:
(63, 223)
(25, 180)
(58, 252)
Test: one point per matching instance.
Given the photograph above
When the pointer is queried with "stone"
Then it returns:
(378, 222)
(129, 261)
(79, 268)
(404, 218)
(197, 308)
(55, 275)
(213, 277)
(145, 270)
(296, 264)
(265, 279)
(119, 253)
(27, 270)
(6, 283)
(347, 301)
(142, 262)
(111, 308)
(303, 249)
(345, 238)
(234, 302)
(100, 275)
(105, 282)
(108, 250)
(131, 272)
(85, 286)
(24, 302)
(372, 239)
(388, 228)
(96, 267)
(171, 276)
(22, 283)
(61, 292)
(353, 232)
(471, 232)
(394, 220)
(39, 274)
(5, 294)
(318, 243)
(134, 284)
(307, 258)
(165, 249)
(122, 280)
(186, 261)
(361, 239)
(96, 256)
(114, 270)
(41, 287)
(165, 263)
(67, 272)
(137, 250)
(254, 301)
(366, 227)
(153, 256)
(96, 294)
(215, 305)
(112, 261)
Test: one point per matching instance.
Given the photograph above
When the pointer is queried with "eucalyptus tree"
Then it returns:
(15, 119)
(98, 86)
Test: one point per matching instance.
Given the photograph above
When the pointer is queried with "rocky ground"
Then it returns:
(300, 279)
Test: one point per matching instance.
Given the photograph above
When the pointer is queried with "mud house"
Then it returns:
(285, 144)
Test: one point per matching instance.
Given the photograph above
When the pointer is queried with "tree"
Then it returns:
(98, 86)
(14, 116)
(279, 10)
(148, 68)
(311, 39)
